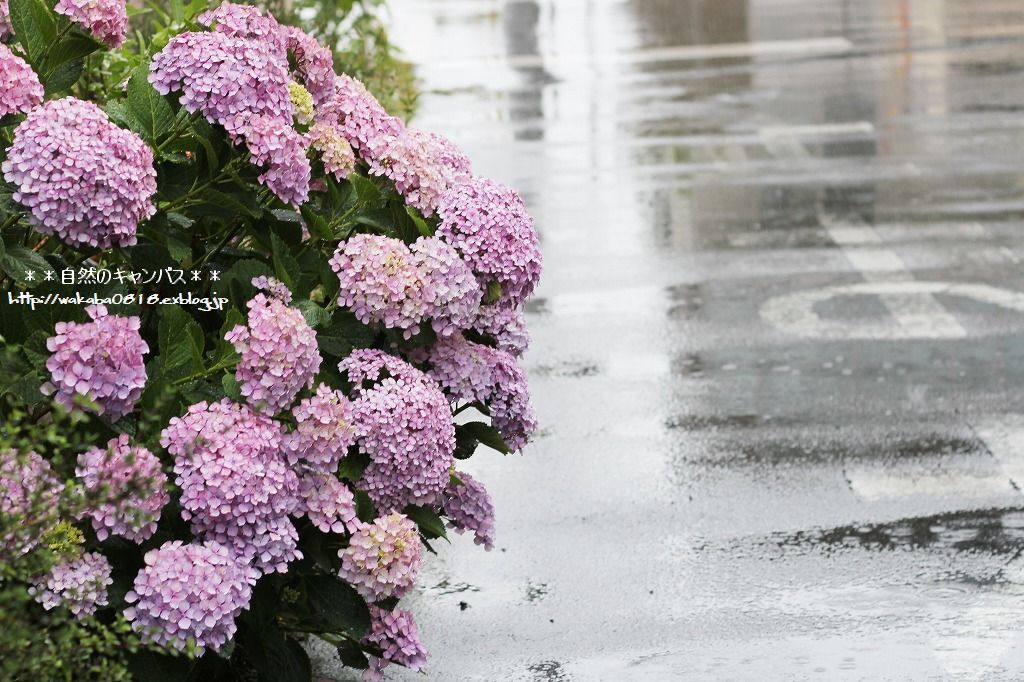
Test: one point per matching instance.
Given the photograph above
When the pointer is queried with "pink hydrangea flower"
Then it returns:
(227, 78)
(128, 488)
(476, 373)
(324, 430)
(28, 489)
(106, 20)
(371, 366)
(246, 22)
(358, 114)
(83, 179)
(335, 152)
(451, 292)
(80, 585)
(506, 326)
(380, 282)
(100, 360)
(236, 488)
(422, 165)
(468, 506)
(279, 353)
(489, 225)
(314, 64)
(328, 503)
(275, 146)
(189, 593)
(404, 423)
(396, 635)
(383, 557)
(6, 30)
(20, 89)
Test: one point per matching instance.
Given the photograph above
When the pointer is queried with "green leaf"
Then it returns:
(155, 667)
(486, 434)
(334, 606)
(493, 294)
(353, 466)
(430, 524)
(366, 191)
(148, 107)
(180, 342)
(237, 280)
(343, 335)
(314, 314)
(34, 26)
(285, 267)
(17, 262)
(421, 224)
(352, 656)
(75, 45)
(216, 203)
(225, 353)
(231, 387)
(318, 227)
(63, 77)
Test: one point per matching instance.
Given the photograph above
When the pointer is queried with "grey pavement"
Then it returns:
(778, 347)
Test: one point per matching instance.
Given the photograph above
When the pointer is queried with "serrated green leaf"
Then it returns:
(148, 107)
(486, 434)
(366, 191)
(430, 524)
(75, 45)
(285, 267)
(493, 294)
(343, 335)
(34, 26)
(63, 77)
(19, 261)
(314, 314)
(334, 606)
(237, 280)
(180, 343)
(421, 224)
(318, 227)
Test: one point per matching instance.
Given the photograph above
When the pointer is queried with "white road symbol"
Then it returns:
(794, 313)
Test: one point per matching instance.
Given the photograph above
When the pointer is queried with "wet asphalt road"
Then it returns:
(778, 348)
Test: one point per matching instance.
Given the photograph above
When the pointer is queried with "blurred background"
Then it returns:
(777, 349)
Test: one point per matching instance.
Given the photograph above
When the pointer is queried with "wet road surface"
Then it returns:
(778, 348)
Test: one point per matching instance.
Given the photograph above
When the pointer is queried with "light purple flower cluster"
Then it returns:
(370, 366)
(279, 353)
(324, 430)
(20, 89)
(358, 114)
(100, 360)
(328, 503)
(476, 373)
(83, 179)
(380, 282)
(274, 145)
(314, 64)
(247, 22)
(506, 326)
(451, 293)
(106, 20)
(189, 593)
(29, 493)
(468, 506)
(236, 488)
(489, 225)
(335, 152)
(382, 558)
(6, 30)
(396, 635)
(422, 165)
(229, 79)
(404, 424)
(126, 487)
(79, 584)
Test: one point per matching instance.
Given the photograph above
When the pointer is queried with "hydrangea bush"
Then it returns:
(272, 320)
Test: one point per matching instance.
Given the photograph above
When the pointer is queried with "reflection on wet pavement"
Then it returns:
(777, 349)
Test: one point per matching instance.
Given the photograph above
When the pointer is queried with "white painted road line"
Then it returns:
(969, 475)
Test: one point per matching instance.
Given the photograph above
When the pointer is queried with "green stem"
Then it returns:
(216, 250)
(179, 125)
(183, 201)
(204, 373)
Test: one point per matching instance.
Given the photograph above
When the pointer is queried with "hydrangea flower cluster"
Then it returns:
(422, 165)
(314, 64)
(279, 352)
(489, 225)
(126, 487)
(189, 593)
(328, 503)
(468, 505)
(380, 282)
(324, 430)
(506, 326)
(370, 365)
(396, 635)
(404, 424)
(476, 373)
(6, 29)
(227, 78)
(302, 102)
(20, 89)
(236, 489)
(359, 116)
(83, 179)
(335, 152)
(451, 293)
(274, 145)
(100, 360)
(28, 488)
(80, 585)
(245, 21)
(383, 557)
(106, 20)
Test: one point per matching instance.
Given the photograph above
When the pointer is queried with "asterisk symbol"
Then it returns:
(30, 276)
(214, 275)
(48, 276)
(195, 275)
